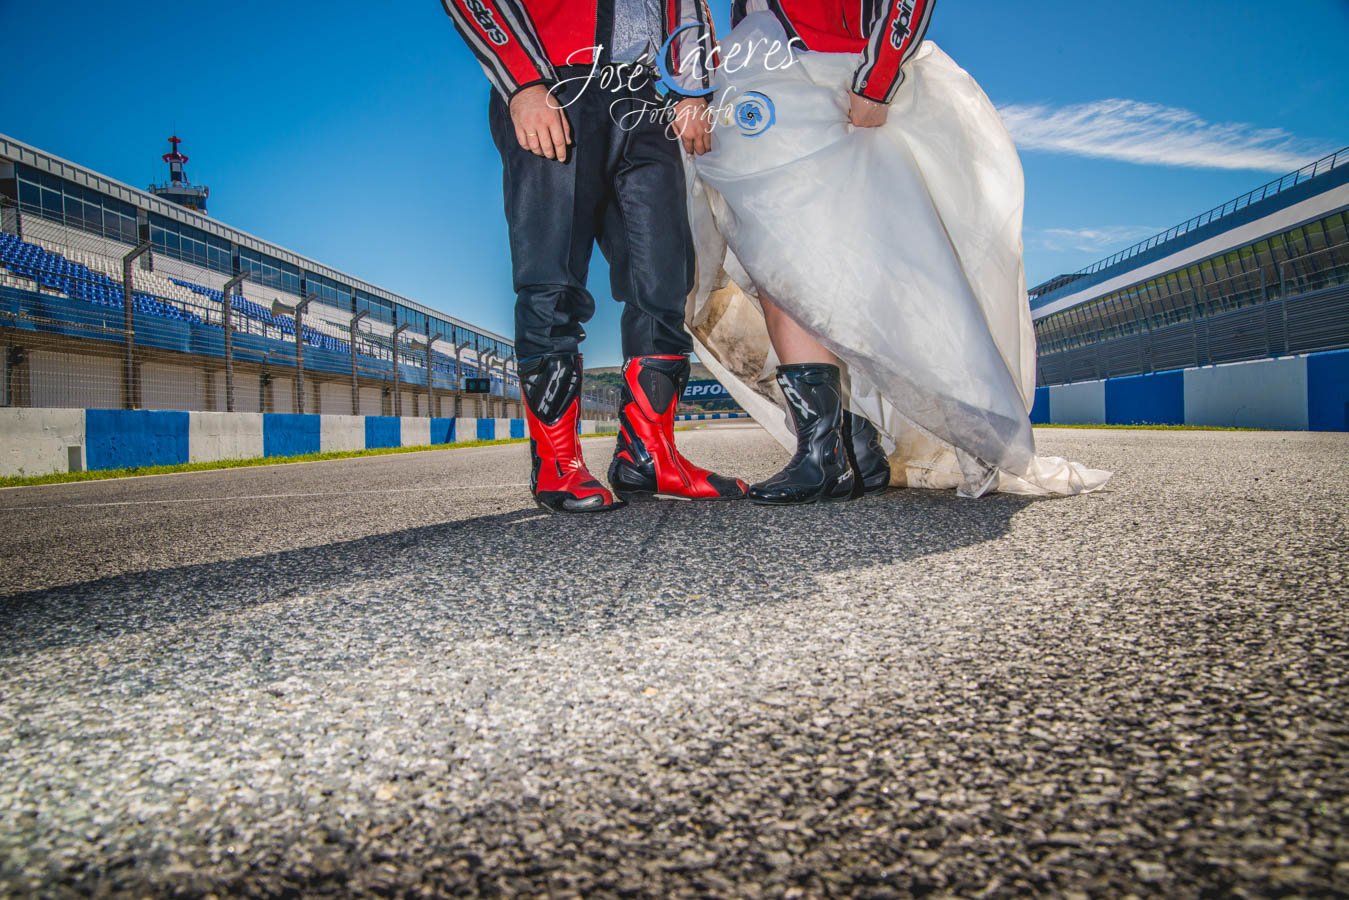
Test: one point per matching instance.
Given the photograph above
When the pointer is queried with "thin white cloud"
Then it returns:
(1151, 134)
(1091, 240)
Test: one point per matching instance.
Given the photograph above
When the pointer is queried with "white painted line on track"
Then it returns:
(509, 444)
(289, 496)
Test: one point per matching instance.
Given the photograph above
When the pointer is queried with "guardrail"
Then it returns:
(1292, 179)
(86, 322)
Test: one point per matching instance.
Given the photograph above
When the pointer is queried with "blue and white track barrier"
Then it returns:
(1291, 393)
(43, 441)
(710, 417)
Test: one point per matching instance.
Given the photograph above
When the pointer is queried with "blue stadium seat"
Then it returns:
(79, 282)
(55, 272)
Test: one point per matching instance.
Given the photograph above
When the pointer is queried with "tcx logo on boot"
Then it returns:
(487, 22)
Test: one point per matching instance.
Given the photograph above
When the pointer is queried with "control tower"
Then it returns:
(179, 190)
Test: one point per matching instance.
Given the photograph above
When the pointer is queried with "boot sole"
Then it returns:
(818, 498)
(645, 496)
(579, 512)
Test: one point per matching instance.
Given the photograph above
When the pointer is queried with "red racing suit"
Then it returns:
(522, 42)
(886, 32)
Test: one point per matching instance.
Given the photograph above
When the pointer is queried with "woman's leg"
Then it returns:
(809, 377)
(801, 356)
(792, 342)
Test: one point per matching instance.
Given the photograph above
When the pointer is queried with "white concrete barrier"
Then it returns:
(1082, 403)
(41, 441)
(1308, 392)
(415, 432)
(1266, 393)
(338, 433)
(465, 430)
(220, 435)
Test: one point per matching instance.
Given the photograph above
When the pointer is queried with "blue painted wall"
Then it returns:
(1039, 413)
(382, 431)
(517, 428)
(1155, 399)
(487, 429)
(126, 438)
(1328, 391)
(289, 434)
(442, 431)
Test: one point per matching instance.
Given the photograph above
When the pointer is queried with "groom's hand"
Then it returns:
(541, 125)
(866, 113)
(693, 125)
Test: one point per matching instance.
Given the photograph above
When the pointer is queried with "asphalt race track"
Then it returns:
(396, 676)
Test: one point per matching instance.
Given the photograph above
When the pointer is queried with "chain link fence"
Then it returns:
(88, 320)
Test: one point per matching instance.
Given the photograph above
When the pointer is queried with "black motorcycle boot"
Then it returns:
(821, 470)
(873, 467)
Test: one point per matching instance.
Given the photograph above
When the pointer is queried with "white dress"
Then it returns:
(898, 247)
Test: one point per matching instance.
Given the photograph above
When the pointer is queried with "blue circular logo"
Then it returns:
(754, 114)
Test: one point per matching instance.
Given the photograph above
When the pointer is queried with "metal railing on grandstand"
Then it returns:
(90, 321)
(1307, 172)
(1245, 316)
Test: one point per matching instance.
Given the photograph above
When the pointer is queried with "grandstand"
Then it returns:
(1264, 275)
(87, 324)
(301, 335)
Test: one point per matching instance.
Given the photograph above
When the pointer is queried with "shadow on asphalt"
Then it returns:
(526, 573)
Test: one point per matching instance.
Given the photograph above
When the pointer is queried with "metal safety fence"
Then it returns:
(1290, 306)
(88, 320)
(1277, 186)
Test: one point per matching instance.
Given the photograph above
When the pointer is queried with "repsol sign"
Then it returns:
(704, 390)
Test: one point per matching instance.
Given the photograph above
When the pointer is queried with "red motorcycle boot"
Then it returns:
(646, 462)
(558, 479)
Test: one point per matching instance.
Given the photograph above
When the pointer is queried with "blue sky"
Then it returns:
(355, 132)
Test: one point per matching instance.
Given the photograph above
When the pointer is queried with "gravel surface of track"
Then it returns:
(395, 675)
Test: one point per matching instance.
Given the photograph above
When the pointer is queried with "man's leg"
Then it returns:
(647, 241)
(799, 353)
(551, 210)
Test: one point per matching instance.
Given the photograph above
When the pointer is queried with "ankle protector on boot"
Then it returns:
(550, 384)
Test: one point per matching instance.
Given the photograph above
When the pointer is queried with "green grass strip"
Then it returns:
(1155, 427)
(7, 481)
